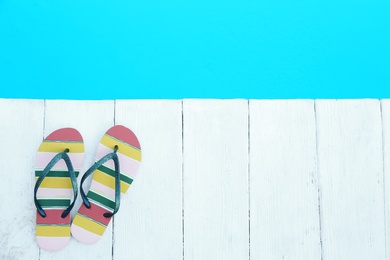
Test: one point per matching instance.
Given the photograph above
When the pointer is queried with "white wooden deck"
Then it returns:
(221, 179)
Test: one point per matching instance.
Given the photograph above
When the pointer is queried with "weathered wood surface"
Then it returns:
(221, 179)
(283, 181)
(149, 224)
(215, 179)
(350, 169)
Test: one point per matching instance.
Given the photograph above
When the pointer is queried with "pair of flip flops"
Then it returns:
(58, 162)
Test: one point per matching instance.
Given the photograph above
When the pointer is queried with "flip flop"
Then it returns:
(117, 161)
(57, 165)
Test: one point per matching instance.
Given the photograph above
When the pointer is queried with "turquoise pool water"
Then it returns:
(194, 49)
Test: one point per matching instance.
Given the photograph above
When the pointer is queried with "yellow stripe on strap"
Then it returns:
(89, 225)
(53, 231)
(55, 182)
(124, 148)
(108, 181)
(58, 147)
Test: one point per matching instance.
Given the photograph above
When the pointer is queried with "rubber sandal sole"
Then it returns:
(89, 224)
(55, 192)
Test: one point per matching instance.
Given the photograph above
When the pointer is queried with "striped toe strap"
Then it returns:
(64, 156)
(111, 156)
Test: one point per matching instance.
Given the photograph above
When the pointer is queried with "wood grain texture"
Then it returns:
(149, 222)
(21, 132)
(345, 204)
(385, 104)
(284, 214)
(92, 119)
(351, 178)
(215, 158)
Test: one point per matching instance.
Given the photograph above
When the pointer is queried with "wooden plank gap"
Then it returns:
(43, 137)
(182, 174)
(249, 186)
(384, 177)
(113, 218)
(318, 179)
(44, 119)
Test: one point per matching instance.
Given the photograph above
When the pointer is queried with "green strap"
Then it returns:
(111, 156)
(47, 169)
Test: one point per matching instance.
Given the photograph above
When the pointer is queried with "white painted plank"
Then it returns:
(92, 119)
(350, 167)
(149, 222)
(386, 158)
(284, 214)
(351, 179)
(21, 132)
(216, 224)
